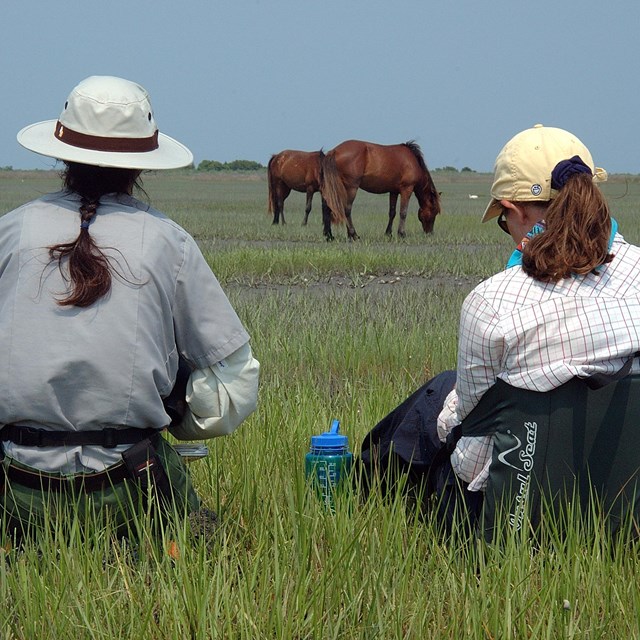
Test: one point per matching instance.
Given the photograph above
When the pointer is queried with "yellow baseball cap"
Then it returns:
(522, 172)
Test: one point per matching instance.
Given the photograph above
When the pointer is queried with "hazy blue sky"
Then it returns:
(242, 79)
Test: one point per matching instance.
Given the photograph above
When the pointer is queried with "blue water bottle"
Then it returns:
(328, 463)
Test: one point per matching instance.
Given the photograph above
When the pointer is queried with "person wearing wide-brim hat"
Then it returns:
(561, 308)
(102, 297)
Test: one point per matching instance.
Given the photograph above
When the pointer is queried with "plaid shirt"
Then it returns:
(537, 336)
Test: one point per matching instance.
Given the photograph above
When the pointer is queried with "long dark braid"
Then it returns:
(88, 268)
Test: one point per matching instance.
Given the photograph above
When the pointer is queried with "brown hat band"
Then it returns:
(100, 143)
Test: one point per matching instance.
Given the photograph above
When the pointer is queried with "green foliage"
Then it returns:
(243, 165)
(450, 169)
(210, 165)
(234, 165)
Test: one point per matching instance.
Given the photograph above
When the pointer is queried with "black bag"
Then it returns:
(405, 444)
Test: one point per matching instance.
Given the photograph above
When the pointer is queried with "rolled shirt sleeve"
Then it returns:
(220, 397)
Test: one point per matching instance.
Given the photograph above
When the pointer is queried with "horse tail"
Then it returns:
(317, 173)
(270, 182)
(332, 188)
(427, 187)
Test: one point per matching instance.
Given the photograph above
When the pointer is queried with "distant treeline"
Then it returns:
(250, 165)
(448, 168)
(245, 165)
(235, 165)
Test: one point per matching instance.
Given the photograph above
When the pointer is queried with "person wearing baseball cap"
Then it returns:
(568, 303)
(103, 298)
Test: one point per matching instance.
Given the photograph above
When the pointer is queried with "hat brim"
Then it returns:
(493, 210)
(39, 137)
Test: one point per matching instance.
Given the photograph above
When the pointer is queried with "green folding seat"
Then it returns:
(575, 446)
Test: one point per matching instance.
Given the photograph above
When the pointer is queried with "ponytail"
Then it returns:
(576, 238)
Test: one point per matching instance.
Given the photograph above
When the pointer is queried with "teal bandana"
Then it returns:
(516, 256)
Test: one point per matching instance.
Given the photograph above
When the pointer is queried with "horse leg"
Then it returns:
(281, 204)
(351, 231)
(307, 209)
(326, 221)
(279, 211)
(393, 201)
(280, 194)
(404, 206)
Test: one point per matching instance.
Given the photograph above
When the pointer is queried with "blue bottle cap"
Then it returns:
(330, 441)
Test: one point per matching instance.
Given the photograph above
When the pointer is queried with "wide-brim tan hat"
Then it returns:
(106, 122)
(523, 168)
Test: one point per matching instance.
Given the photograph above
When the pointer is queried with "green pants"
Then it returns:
(25, 510)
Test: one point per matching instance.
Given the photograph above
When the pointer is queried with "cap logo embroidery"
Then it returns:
(536, 189)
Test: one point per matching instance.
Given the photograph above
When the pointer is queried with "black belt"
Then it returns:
(108, 438)
(83, 482)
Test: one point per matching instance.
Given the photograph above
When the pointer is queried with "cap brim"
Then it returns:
(40, 138)
(493, 210)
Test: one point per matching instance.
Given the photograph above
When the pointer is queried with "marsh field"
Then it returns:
(343, 330)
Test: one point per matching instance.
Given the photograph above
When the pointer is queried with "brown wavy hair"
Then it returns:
(88, 268)
(576, 238)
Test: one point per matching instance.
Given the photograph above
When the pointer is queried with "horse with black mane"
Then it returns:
(293, 170)
(397, 169)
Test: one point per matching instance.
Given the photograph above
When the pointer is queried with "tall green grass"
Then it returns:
(343, 330)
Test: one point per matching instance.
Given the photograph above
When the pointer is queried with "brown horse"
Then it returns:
(397, 169)
(293, 170)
